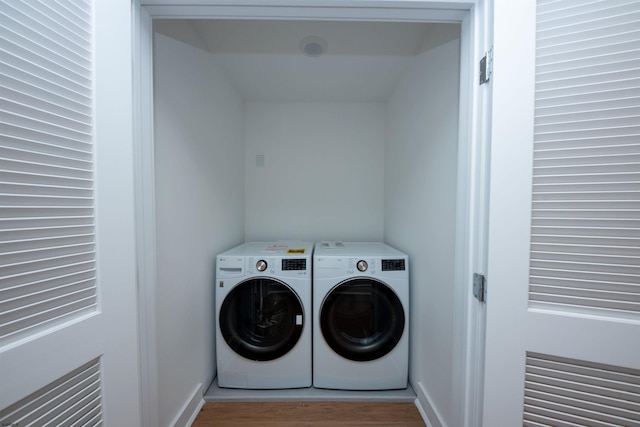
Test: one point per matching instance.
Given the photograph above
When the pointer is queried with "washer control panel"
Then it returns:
(257, 265)
(281, 266)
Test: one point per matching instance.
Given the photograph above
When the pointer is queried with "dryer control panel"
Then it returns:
(336, 266)
(394, 264)
(358, 265)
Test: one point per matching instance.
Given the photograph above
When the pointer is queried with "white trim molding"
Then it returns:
(145, 209)
(191, 408)
(426, 408)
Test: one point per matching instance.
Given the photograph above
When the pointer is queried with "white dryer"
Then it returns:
(361, 316)
(263, 312)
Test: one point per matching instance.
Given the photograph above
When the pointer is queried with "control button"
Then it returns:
(261, 265)
(362, 265)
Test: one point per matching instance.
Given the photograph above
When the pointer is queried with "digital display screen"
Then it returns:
(393, 265)
(294, 264)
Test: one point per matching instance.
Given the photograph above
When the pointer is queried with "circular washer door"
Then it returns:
(261, 319)
(362, 319)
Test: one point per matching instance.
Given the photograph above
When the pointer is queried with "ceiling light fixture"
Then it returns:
(313, 46)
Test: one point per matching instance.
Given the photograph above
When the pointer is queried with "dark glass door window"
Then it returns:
(362, 319)
(261, 319)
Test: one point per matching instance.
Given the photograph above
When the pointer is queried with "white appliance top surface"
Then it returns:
(355, 249)
(282, 249)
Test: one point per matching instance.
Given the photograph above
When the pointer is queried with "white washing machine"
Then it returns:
(361, 316)
(263, 312)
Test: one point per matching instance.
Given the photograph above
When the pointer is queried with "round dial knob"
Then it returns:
(261, 265)
(362, 265)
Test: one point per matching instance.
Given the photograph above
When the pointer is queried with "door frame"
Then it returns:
(473, 169)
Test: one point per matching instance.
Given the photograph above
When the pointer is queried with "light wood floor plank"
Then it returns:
(311, 414)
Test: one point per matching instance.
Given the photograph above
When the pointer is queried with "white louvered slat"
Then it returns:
(74, 399)
(560, 391)
(43, 89)
(43, 100)
(34, 123)
(563, 18)
(585, 237)
(55, 64)
(47, 42)
(28, 68)
(47, 242)
(61, 159)
(48, 114)
(73, 34)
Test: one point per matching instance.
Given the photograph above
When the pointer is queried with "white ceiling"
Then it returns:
(263, 58)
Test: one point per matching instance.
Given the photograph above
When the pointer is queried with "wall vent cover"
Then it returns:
(567, 392)
(73, 400)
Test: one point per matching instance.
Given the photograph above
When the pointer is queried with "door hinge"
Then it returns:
(486, 67)
(479, 287)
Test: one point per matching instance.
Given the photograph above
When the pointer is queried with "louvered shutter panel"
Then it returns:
(585, 250)
(47, 242)
(73, 400)
(567, 392)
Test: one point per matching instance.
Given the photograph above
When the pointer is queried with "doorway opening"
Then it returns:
(297, 133)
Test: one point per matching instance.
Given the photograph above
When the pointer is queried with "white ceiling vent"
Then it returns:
(313, 46)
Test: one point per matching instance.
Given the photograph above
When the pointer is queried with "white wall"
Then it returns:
(199, 211)
(323, 171)
(420, 213)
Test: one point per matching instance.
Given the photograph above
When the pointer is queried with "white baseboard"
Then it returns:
(426, 408)
(191, 408)
(422, 413)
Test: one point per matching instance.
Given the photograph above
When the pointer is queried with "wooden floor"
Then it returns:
(271, 414)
